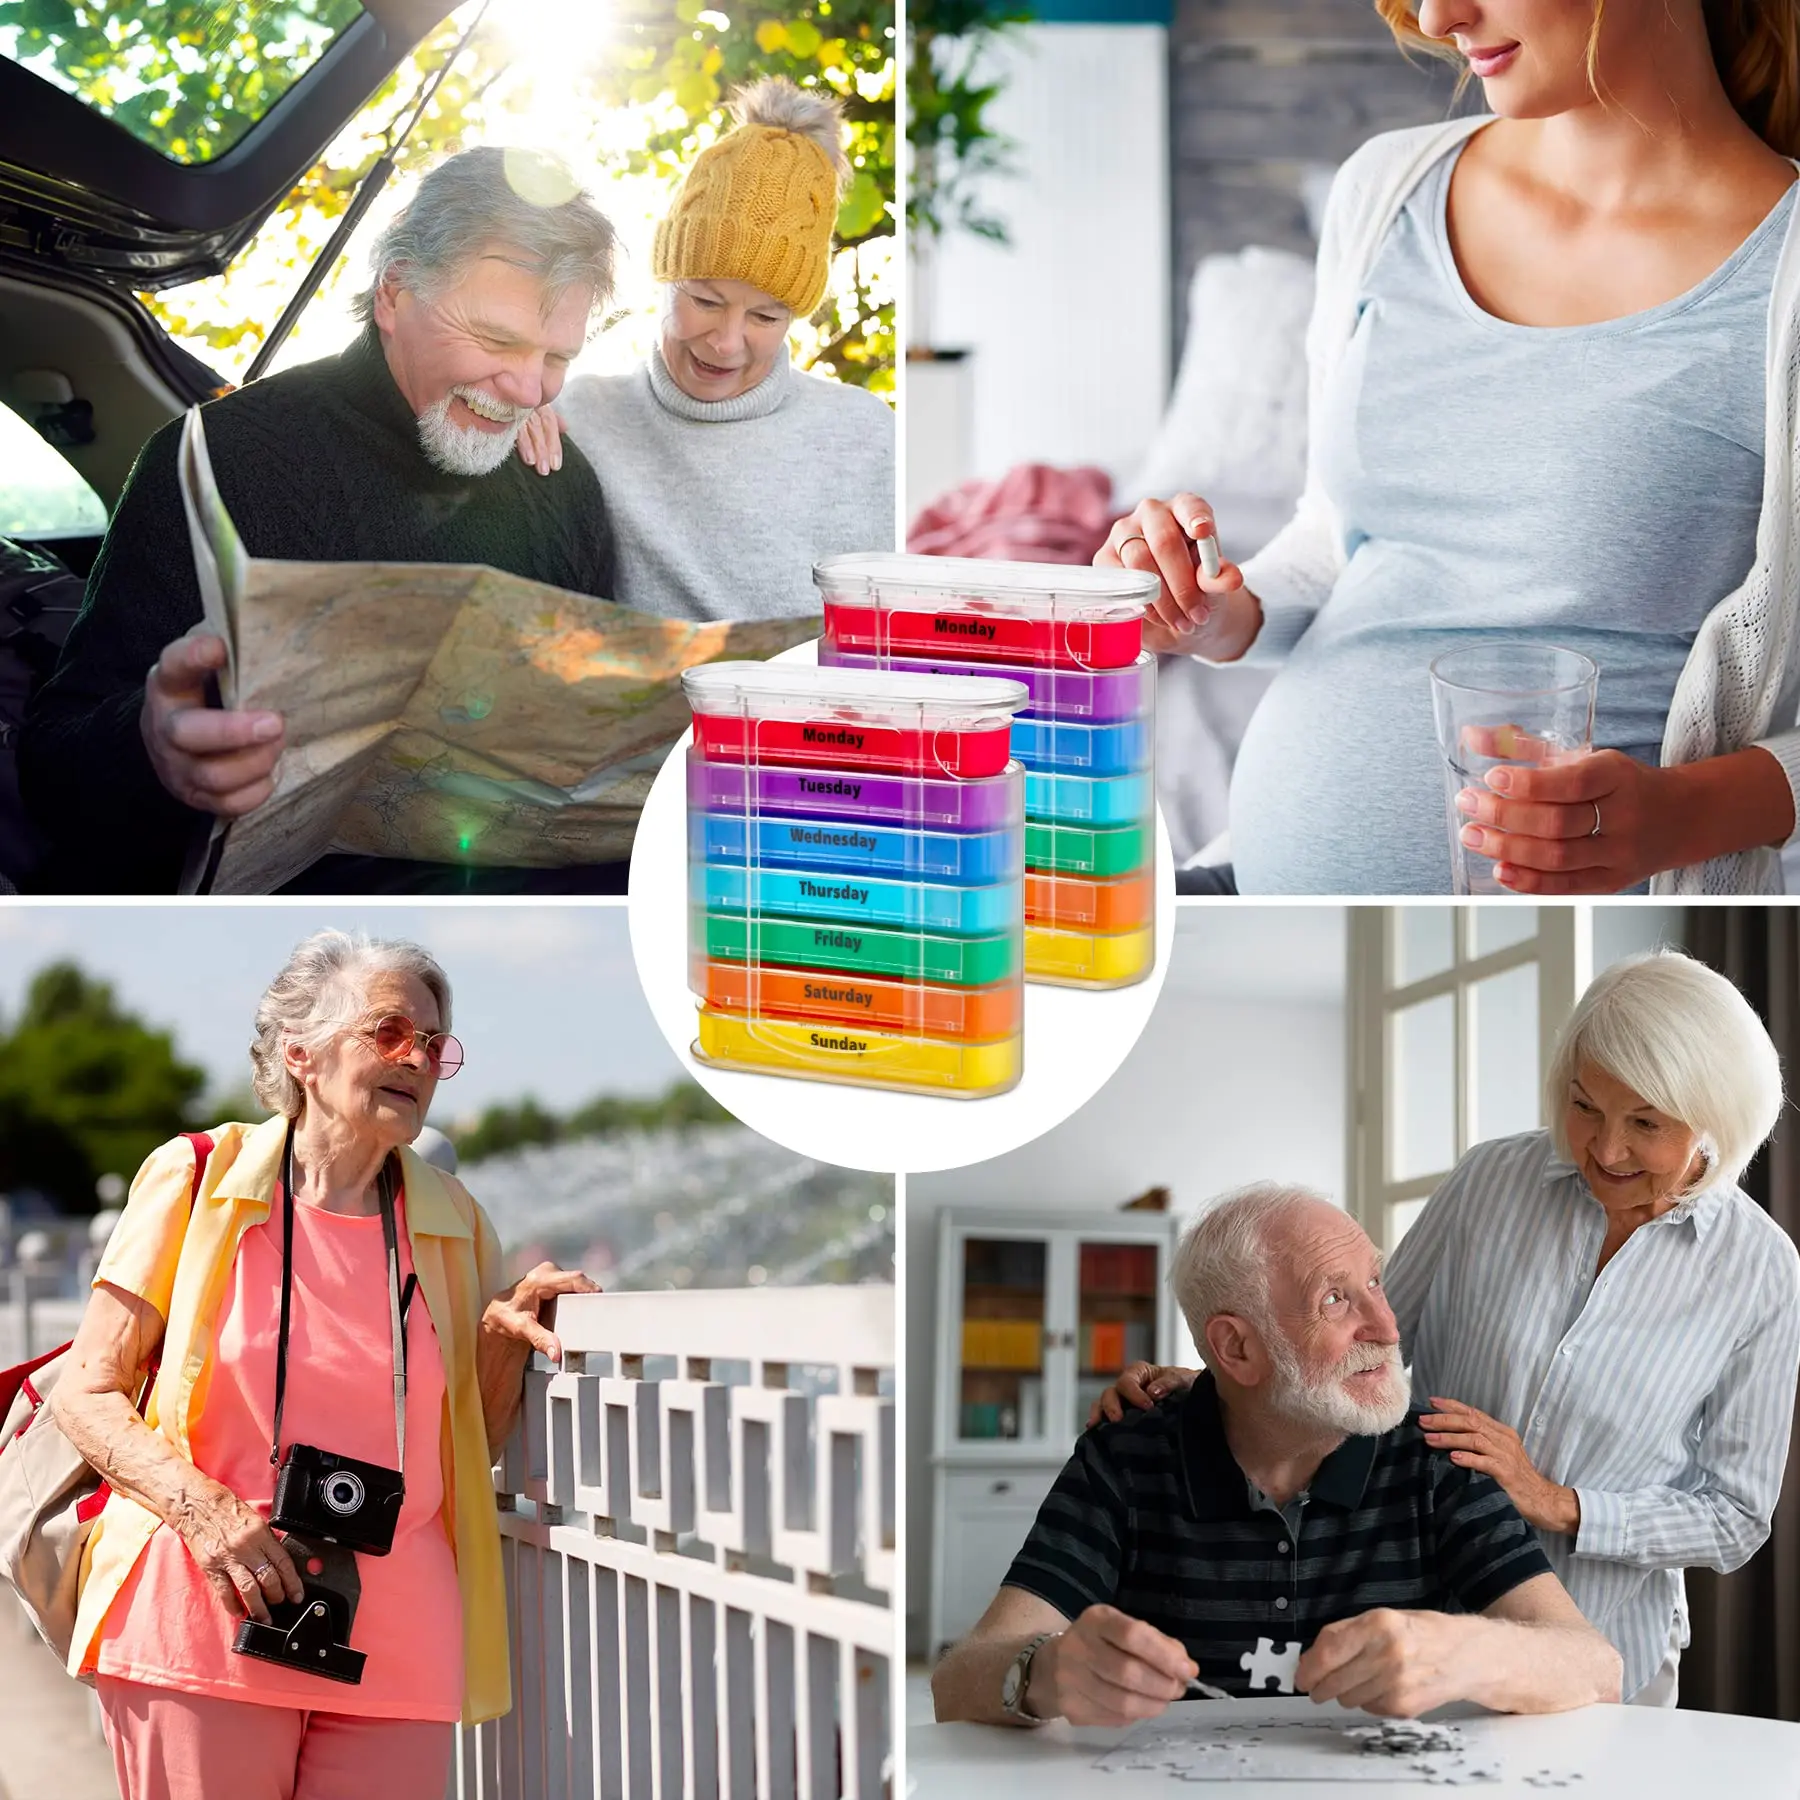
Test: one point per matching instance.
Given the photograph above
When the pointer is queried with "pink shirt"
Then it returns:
(168, 1628)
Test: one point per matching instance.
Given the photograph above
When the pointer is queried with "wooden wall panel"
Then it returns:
(1261, 90)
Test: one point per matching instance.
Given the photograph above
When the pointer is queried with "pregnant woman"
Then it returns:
(1554, 359)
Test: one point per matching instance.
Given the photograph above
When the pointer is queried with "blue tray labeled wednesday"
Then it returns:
(855, 847)
(1059, 747)
(821, 894)
(1087, 799)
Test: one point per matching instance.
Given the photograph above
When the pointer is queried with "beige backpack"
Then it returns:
(50, 1495)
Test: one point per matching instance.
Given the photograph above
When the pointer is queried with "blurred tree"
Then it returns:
(190, 76)
(695, 55)
(514, 1126)
(77, 1070)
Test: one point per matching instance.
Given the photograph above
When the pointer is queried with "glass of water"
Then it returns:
(1505, 704)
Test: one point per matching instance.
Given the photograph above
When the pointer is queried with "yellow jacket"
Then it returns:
(457, 1258)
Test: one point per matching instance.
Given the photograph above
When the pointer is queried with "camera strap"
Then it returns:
(398, 1305)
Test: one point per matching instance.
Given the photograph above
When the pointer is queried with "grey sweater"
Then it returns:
(720, 508)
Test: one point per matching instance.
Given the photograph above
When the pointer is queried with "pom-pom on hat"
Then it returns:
(759, 205)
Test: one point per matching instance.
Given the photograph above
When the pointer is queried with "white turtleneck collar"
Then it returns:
(766, 397)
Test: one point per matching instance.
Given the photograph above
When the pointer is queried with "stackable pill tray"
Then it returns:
(855, 876)
(1086, 735)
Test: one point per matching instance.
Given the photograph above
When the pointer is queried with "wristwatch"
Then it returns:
(1018, 1679)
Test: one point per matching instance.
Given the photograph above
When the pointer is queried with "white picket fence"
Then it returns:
(699, 1525)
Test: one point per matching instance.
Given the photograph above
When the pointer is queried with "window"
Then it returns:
(1454, 1011)
(186, 77)
(40, 495)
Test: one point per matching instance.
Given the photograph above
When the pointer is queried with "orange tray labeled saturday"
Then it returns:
(996, 1011)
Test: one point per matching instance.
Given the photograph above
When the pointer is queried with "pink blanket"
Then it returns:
(1033, 513)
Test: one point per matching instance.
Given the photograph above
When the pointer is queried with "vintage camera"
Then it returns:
(320, 1494)
(313, 1633)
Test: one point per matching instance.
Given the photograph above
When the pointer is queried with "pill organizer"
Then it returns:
(1090, 959)
(1091, 696)
(848, 846)
(847, 1053)
(1059, 746)
(924, 725)
(855, 899)
(1076, 850)
(949, 806)
(928, 1007)
(1073, 901)
(856, 875)
(963, 609)
(1085, 736)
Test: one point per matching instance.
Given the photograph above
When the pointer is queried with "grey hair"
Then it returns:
(806, 112)
(1221, 1264)
(520, 200)
(318, 992)
(1682, 1038)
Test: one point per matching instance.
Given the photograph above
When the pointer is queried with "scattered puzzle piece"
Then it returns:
(1268, 1664)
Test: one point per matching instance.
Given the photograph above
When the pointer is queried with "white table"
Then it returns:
(1618, 1753)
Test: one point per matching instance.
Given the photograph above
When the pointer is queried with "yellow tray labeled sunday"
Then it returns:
(829, 1050)
(1088, 959)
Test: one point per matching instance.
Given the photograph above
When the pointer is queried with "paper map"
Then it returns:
(440, 713)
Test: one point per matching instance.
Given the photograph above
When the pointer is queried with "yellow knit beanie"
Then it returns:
(760, 204)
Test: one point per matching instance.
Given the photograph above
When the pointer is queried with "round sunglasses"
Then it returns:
(395, 1036)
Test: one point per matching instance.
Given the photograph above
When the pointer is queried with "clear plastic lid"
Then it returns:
(871, 696)
(1031, 590)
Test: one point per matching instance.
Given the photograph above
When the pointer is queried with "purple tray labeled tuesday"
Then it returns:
(1092, 696)
(991, 804)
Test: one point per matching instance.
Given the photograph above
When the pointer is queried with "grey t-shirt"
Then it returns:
(1593, 486)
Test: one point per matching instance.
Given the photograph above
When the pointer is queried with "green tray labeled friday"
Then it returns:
(967, 961)
(1085, 850)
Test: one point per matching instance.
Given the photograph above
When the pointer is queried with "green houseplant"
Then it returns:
(954, 149)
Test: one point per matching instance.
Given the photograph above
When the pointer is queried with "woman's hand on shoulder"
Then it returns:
(518, 1314)
(540, 441)
(1141, 1386)
(242, 1559)
(1193, 614)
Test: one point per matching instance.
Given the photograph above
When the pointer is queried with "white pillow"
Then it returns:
(1236, 421)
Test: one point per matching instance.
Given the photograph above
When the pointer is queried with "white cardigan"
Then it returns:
(1741, 682)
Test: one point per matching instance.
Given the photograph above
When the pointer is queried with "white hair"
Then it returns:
(467, 449)
(807, 112)
(318, 992)
(1683, 1039)
(518, 200)
(1221, 1264)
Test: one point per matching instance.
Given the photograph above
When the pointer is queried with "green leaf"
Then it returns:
(803, 38)
(862, 208)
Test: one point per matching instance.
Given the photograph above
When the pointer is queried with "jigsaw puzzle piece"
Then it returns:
(1268, 1664)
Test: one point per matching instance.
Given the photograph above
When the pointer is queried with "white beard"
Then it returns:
(1325, 1404)
(466, 449)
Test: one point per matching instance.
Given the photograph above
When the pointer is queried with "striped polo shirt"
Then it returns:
(1153, 1515)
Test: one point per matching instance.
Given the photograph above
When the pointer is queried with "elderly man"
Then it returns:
(1290, 1496)
(397, 450)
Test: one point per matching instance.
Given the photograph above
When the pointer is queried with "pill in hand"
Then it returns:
(1209, 557)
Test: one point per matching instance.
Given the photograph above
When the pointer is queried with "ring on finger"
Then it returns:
(1137, 537)
(1595, 804)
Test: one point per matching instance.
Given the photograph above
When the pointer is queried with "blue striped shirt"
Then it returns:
(1663, 1392)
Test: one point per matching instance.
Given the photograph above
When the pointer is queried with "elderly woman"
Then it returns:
(325, 1302)
(1617, 1320)
(1554, 375)
(727, 475)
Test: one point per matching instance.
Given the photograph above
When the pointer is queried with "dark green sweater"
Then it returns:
(319, 464)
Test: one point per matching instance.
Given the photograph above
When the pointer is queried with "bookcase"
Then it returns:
(1036, 1316)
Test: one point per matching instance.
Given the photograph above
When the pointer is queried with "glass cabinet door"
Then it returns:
(1116, 1305)
(1005, 1283)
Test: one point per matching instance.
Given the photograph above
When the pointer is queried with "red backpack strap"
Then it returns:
(203, 1147)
